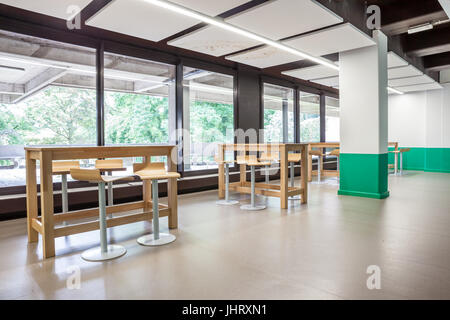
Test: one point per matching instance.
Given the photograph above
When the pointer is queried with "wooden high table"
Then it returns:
(334, 145)
(45, 223)
(321, 145)
(282, 191)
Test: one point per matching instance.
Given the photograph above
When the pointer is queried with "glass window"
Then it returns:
(309, 117)
(332, 131)
(47, 97)
(139, 103)
(278, 114)
(208, 116)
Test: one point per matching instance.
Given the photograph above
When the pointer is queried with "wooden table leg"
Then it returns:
(172, 192)
(32, 205)
(47, 211)
(172, 195)
(284, 177)
(305, 168)
(243, 174)
(309, 177)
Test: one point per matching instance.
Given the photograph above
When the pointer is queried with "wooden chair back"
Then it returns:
(90, 175)
(152, 166)
(266, 156)
(243, 159)
(108, 164)
(58, 166)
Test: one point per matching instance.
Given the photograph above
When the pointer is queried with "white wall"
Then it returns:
(421, 119)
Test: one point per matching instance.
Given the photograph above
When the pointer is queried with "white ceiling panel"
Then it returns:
(283, 18)
(403, 72)
(63, 9)
(335, 39)
(144, 20)
(395, 60)
(264, 57)
(314, 72)
(330, 82)
(420, 87)
(410, 81)
(213, 41)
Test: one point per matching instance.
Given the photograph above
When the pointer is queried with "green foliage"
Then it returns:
(210, 121)
(135, 118)
(273, 125)
(59, 115)
(12, 126)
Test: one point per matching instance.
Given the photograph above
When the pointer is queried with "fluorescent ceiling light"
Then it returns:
(394, 90)
(229, 27)
(420, 28)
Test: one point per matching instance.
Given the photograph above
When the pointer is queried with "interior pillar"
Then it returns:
(364, 120)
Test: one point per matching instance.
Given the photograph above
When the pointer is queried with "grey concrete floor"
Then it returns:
(316, 251)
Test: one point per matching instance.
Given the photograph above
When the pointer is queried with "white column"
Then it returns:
(364, 120)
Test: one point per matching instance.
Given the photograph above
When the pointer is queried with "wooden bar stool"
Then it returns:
(227, 201)
(62, 168)
(155, 171)
(105, 251)
(252, 162)
(269, 157)
(293, 158)
(109, 166)
(319, 154)
(336, 153)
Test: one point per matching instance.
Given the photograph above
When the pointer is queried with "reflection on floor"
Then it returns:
(317, 251)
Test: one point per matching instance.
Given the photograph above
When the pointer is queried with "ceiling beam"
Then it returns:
(437, 62)
(398, 16)
(11, 88)
(428, 42)
(41, 81)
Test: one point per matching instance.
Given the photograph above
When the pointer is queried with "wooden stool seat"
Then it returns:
(155, 171)
(94, 176)
(316, 153)
(269, 157)
(334, 152)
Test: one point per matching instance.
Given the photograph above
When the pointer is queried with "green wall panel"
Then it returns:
(364, 175)
(425, 159)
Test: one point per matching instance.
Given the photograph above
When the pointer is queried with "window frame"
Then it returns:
(189, 63)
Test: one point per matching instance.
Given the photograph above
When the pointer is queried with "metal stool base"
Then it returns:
(164, 238)
(249, 207)
(227, 202)
(96, 254)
